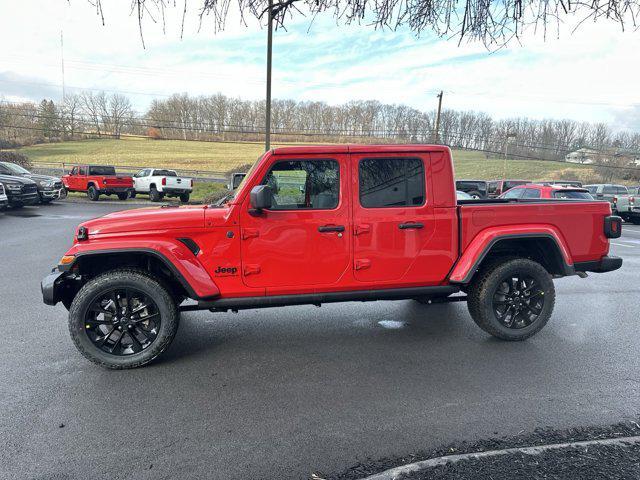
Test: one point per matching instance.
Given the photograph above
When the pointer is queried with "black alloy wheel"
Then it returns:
(122, 321)
(518, 301)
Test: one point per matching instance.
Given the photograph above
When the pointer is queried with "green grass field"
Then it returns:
(223, 157)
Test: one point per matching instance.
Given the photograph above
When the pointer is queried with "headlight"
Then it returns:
(14, 187)
(46, 183)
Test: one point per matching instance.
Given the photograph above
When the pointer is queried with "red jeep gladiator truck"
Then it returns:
(310, 225)
(98, 180)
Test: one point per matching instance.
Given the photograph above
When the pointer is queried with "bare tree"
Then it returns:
(493, 22)
(71, 107)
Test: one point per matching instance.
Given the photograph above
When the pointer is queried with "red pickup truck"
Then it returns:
(310, 225)
(98, 180)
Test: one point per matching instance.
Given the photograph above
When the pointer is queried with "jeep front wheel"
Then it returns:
(123, 319)
(93, 194)
(512, 300)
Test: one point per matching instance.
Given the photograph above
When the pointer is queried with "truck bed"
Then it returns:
(578, 224)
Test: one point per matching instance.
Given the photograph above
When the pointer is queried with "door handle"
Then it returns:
(331, 228)
(407, 226)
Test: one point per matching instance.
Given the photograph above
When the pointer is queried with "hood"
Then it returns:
(148, 219)
(40, 178)
(15, 179)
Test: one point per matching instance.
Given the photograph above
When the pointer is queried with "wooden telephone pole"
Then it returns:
(436, 135)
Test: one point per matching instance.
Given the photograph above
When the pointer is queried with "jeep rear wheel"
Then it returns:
(512, 300)
(184, 198)
(123, 319)
(93, 194)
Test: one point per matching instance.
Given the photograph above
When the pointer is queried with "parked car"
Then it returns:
(475, 188)
(20, 191)
(495, 188)
(4, 201)
(49, 188)
(535, 190)
(622, 203)
(318, 224)
(235, 180)
(98, 180)
(159, 183)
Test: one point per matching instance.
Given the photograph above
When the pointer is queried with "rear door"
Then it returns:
(393, 218)
(303, 241)
(81, 179)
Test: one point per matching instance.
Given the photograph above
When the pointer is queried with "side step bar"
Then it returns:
(241, 303)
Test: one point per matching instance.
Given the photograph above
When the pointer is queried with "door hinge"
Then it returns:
(250, 233)
(360, 229)
(362, 263)
(251, 269)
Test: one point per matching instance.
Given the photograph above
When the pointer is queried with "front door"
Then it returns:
(304, 239)
(393, 221)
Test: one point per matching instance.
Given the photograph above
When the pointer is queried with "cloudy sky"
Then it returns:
(590, 75)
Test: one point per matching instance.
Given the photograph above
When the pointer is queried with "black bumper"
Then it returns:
(23, 198)
(51, 287)
(115, 190)
(175, 191)
(605, 264)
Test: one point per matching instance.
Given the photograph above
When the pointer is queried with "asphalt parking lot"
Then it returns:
(289, 392)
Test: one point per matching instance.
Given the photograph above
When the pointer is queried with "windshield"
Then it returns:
(17, 169)
(102, 170)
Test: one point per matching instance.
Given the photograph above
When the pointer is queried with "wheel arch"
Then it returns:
(544, 247)
(177, 267)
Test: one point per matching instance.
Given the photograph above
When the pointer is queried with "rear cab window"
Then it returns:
(391, 182)
(572, 194)
(100, 170)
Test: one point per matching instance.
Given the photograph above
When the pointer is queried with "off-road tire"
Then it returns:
(184, 198)
(93, 194)
(132, 194)
(169, 314)
(123, 196)
(154, 194)
(483, 288)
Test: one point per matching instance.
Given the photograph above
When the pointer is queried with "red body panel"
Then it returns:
(280, 252)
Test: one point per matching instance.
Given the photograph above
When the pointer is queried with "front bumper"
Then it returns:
(23, 198)
(53, 194)
(52, 286)
(605, 264)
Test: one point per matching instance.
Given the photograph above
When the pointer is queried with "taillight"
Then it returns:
(164, 180)
(632, 200)
(612, 226)
(615, 199)
(104, 181)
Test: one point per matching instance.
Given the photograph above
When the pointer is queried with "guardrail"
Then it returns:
(62, 168)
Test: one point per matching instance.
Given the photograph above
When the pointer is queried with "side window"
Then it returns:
(622, 190)
(82, 170)
(391, 182)
(74, 171)
(531, 193)
(304, 184)
(609, 190)
(141, 173)
(514, 193)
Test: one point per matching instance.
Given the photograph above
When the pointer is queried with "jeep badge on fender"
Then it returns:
(225, 271)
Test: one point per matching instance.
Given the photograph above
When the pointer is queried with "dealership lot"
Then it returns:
(284, 393)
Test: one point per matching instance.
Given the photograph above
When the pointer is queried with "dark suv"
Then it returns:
(48, 188)
(474, 188)
(20, 190)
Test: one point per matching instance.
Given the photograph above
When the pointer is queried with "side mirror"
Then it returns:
(260, 197)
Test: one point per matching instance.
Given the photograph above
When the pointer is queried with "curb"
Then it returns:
(397, 472)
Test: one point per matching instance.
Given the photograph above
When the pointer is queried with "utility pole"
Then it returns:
(436, 135)
(267, 138)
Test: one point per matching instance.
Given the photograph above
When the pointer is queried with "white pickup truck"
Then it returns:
(159, 183)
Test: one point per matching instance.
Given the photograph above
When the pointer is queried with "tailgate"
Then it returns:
(118, 181)
(579, 224)
(178, 182)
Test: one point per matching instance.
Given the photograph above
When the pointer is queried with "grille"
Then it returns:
(29, 189)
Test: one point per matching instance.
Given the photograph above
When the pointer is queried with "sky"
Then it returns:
(591, 74)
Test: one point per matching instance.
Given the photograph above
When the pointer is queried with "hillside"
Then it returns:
(222, 157)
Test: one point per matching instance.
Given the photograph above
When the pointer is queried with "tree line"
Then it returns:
(219, 117)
